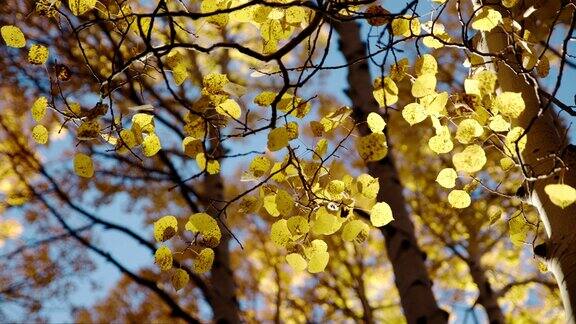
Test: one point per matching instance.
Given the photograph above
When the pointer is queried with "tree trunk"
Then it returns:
(545, 139)
(411, 277)
(486, 296)
(226, 307)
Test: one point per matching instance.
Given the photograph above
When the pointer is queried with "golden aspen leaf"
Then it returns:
(88, 130)
(229, 108)
(424, 85)
(296, 261)
(487, 81)
(259, 166)
(38, 54)
(499, 124)
(459, 199)
(211, 166)
(399, 69)
(471, 160)
(509, 104)
(335, 187)
(414, 113)
(375, 122)
(385, 91)
(406, 26)
(509, 3)
(249, 204)
(180, 279)
(368, 186)
(298, 226)
(320, 149)
(40, 134)
(317, 256)
(561, 195)
(270, 205)
(381, 214)
(486, 19)
(151, 145)
(447, 178)
(284, 202)
(163, 258)
(83, 165)
(127, 138)
(518, 229)
(468, 130)
(432, 42)
(207, 226)
(279, 233)
(13, 36)
(372, 147)
(165, 228)
(325, 222)
(278, 139)
(472, 87)
(265, 98)
(180, 73)
(203, 261)
(355, 230)
(515, 139)
(143, 122)
(79, 7)
(292, 128)
(317, 128)
(441, 142)
(426, 64)
(435, 103)
(507, 163)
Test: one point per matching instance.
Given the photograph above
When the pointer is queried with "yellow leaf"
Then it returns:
(372, 147)
(472, 87)
(368, 186)
(447, 178)
(424, 85)
(180, 279)
(375, 122)
(468, 130)
(265, 98)
(211, 166)
(441, 142)
(284, 202)
(259, 166)
(151, 145)
(561, 195)
(207, 226)
(165, 228)
(509, 3)
(459, 199)
(229, 108)
(38, 54)
(486, 19)
(317, 256)
(203, 261)
(509, 104)
(39, 108)
(414, 113)
(296, 261)
(83, 165)
(298, 226)
(163, 258)
(13, 36)
(471, 160)
(355, 230)
(335, 187)
(270, 205)
(325, 222)
(279, 233)
(142, 122)
(40, 134)
(385, 91)
(426, 64)
(79, 7)
(515, 139)
(498, 124)
(406, 26)
(381, 214)
(278, 138)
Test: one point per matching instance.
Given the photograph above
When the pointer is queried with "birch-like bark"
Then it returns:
(411, 278)
(545, 141)
(226, 307)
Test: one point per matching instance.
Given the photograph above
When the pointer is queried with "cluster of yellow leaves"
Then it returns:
(14, 37)
(207, 236)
